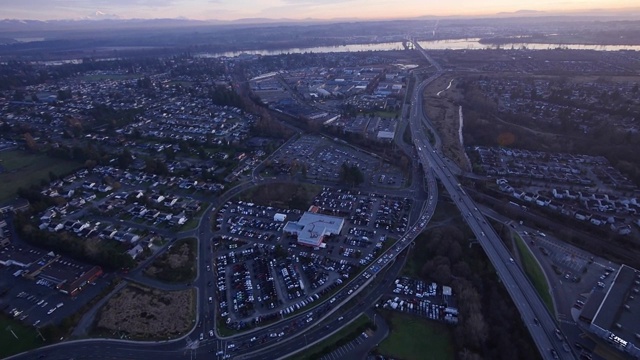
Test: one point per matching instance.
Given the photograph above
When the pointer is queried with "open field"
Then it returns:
(440, 103)
(534, 273)
(413, 338)
(139, 312)
(177, 264)
(26, 337)
(20, 169)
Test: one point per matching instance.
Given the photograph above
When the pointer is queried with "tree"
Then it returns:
(350, 175)
(30, 143)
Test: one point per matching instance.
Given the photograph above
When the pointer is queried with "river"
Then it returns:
(453, 44)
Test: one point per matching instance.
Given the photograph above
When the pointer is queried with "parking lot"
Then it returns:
(340, 352)
(322, 159)
(261, 273)
(429, 300)
(37, 303)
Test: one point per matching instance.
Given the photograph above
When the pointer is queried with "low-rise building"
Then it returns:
(312, 228)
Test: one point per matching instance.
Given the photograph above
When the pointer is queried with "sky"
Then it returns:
(278, 9)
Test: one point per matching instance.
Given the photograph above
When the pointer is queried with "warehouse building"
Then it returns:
(612, 314)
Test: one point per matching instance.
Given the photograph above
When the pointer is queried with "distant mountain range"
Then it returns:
(100, 20)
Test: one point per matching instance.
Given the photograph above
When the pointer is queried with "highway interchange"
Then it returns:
(245, 345)
(524, 295)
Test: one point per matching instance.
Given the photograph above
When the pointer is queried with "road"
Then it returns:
(522, 292)
(190, 347)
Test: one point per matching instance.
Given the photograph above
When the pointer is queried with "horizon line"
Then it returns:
(516, 13)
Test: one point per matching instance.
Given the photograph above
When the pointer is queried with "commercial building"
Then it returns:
(312, 228)
(612, 314)
(68, 276)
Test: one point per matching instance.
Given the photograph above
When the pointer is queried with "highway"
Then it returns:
(522, 292)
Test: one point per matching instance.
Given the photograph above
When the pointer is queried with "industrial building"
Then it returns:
(312, 228)
(612, 314)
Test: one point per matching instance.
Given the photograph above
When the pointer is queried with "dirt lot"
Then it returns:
(144, 313)
(442, 110)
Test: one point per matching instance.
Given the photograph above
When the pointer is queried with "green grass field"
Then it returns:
(26, 337)
(534, 273)
(20, 169)
(413, 338)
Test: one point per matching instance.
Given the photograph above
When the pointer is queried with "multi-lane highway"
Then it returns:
(540, 323)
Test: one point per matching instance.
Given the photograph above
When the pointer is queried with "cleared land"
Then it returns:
(178, 264)
(20, 169)
(441, 107)
(534, 273)
(26, 338)
(145, 313)
(412, 338)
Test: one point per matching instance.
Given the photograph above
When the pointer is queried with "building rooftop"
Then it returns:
(22, 257)
(312, 227)
(619, 310)
(592, 305)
